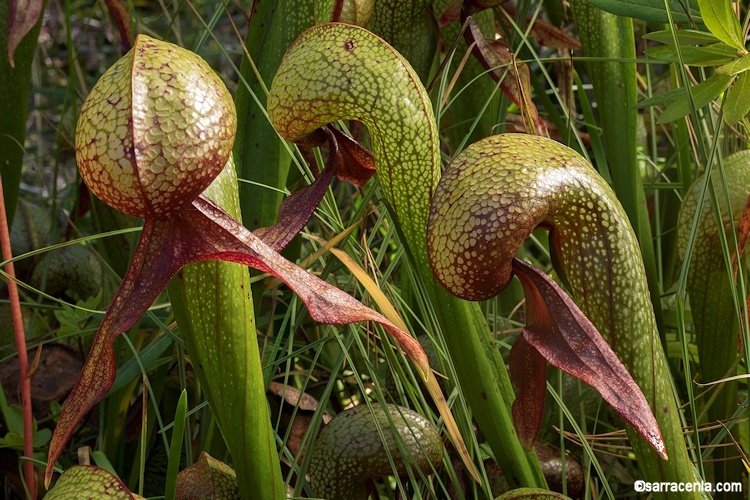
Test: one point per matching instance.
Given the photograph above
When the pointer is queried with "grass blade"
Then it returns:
(175, 446)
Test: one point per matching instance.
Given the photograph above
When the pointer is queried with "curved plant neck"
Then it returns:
(505, 200)
(355, 76)
(490, 199)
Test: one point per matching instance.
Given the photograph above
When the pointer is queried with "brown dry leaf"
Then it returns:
(304, 406)
(513, 76)
(743, 231)
(545, 33)
(297, 398)
(451, 14)
(56, 374)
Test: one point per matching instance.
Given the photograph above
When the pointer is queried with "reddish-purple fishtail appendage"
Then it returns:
(559, 333)
(528, 370)
(202, 232)
(511, 74)
(347, 160)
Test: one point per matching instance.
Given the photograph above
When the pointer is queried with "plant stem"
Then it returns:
(23, 360)
(15, 85)
(219, 333)
(609, 36)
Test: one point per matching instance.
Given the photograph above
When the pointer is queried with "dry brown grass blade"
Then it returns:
(606, 442)
(428, 377)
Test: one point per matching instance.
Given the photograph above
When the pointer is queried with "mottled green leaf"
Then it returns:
(709, 285)
(651, 10)
(410, 28)
(366, 442)
(207, 478)
(513, 174)
(737, 103)
(684, 37)
(532, 494)
(711, 55)
(722, 21)
(735, 67)
(703, 93)
(407, 155)
(88, 481)
(231, 375)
